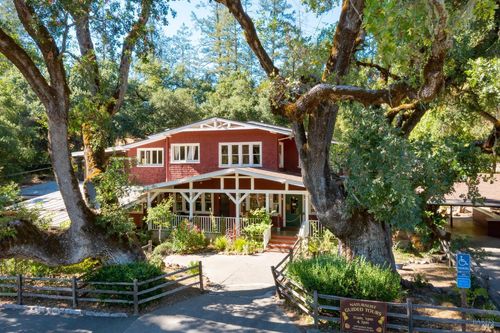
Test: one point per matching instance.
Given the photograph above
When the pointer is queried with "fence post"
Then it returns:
(409, 314)
(74, 294)
(150, 246)
(315, 308)
(291, 254)
(463, 298)
(20, 289)
(276, 283)
(136, 298)
(200, 273)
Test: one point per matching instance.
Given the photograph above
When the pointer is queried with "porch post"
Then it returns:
(267, 202)
(150, 225)
(306, 210)
(238, 213)
(191, 206)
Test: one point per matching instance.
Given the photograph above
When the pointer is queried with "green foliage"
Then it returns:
(326, 243)
(243, 245)
(235, 97)
(256, 230)
(12, 209)
(112, 185)
(187, 238)
(385, 169)
(32, 268)
(160, 215)
(221, 243)
(239, 245)
(335, 275)
(163, 249)
(23, 133)
(9, 194)
(115, 220)
(126, 273)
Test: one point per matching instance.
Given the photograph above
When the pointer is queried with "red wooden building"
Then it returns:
(223, 169)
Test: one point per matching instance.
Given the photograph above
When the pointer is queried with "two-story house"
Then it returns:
(221, 169)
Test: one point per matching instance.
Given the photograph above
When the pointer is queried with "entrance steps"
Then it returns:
(281, 243)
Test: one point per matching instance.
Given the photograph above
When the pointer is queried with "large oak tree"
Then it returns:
(313, 104)
(45, 70)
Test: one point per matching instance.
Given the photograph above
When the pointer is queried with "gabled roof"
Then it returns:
(252, 172)
(212, 124)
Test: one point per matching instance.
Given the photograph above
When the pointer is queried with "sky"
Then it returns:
(309, 22)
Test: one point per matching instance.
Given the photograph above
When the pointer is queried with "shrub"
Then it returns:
(126, 273)
(335, 275)
(187, 238)
(33, 268)
(255, 231)
(245, 246)
(326, 243)
(163, 249)
(239, 245)
(221, 243)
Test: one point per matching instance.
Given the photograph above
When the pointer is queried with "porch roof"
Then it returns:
(488, 190)
(280, 177)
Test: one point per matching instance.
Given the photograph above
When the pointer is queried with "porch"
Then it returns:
(221, 201)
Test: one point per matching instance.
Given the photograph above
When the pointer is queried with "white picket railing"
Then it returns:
(210, 224)
(316, 229)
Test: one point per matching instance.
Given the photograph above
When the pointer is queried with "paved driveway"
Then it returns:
(241, 300)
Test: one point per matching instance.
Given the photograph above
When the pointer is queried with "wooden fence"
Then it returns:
(75, 290)
(402, 317)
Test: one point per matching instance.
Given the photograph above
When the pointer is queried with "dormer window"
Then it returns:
(185, 153)
(150, 157)
(240, 154)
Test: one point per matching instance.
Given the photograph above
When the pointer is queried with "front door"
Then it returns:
(293, 210)
(224, 205)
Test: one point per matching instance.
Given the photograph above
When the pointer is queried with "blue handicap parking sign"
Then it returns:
(463, 270)
(463, 262)
(463, 283)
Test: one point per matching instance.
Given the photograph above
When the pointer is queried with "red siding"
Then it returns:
(209, 154)
(148, 175)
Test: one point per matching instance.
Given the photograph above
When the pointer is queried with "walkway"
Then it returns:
(242, 300)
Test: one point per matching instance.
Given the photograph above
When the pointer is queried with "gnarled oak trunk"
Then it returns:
(359, 233)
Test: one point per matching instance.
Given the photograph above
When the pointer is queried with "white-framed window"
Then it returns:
(185, 153)
(281, 154)
(203, 204)
(240, 154)
(150, 157)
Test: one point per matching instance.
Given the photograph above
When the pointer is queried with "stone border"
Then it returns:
(43, 310)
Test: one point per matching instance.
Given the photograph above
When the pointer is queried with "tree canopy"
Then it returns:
(408, 89)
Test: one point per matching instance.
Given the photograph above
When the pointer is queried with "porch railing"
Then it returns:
(316, 229)
(210, 224)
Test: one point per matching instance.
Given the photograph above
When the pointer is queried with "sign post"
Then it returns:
(358, 316)
(463, 279)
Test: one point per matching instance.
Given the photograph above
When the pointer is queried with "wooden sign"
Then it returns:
(359, 316)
